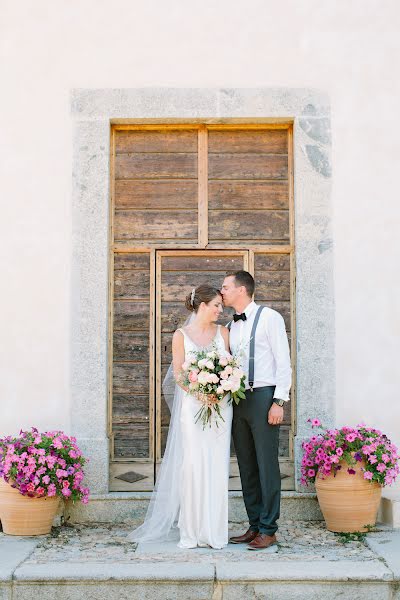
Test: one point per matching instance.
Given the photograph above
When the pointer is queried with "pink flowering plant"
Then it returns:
(43, 464)
(324, 451)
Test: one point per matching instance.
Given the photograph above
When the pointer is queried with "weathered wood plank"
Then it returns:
(157, 194)
(202, 263)
(272, 285)
(128, 408)
(130, 378)
(245, 225)
(249, 195)
(247, 166)
(267, 141)
(153, 225)
(156, 141)
(130, 316)
(134, 261)
(155, 165)
(131, 440)
(176, 285)
(132, 284)
(282, 308)
(128, 345)
(271, 262)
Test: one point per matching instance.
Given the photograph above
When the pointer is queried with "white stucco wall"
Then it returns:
(349, 49)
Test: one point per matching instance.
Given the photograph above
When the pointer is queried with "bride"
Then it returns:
(191, 493)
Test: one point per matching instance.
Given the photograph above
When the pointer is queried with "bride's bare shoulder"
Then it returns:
(178, 334)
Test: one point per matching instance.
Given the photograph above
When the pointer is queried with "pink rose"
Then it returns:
(185, 365)
(223, 361)
(228, 370)
(193, 376)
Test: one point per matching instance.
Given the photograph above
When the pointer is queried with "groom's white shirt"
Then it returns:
(271, 355)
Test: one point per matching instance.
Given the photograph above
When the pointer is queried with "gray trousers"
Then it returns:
(256, 444)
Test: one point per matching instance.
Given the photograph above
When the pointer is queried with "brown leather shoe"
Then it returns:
(245, 538)
(262, 541)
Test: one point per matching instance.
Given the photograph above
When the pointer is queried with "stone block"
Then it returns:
(114, 581)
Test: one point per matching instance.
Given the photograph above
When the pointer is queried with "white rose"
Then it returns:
(212, 378)
(209, 365)
(220, 390)
(202, 362)
(226, 385)
(228, 370)
(211, 354)
(238, 373)
(202, 377)
(235, 385)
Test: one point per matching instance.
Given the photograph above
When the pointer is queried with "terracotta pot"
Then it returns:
(22, 515)
(348, 502)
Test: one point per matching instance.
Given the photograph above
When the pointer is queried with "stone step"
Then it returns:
(279, 580)
(123, 507)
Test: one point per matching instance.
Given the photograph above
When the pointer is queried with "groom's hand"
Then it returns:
(275, 414)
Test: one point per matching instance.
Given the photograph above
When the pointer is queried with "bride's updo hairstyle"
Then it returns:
(202, 293)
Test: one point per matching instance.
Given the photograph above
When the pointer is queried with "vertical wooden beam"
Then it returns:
(250, 262)
(292, 281)
(158, 354)
(152, 356)
(111, 292)
(202, 158)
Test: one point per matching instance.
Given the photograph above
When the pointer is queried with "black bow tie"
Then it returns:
(239, 317)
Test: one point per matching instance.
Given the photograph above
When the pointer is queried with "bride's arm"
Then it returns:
(178, 357)
(225, 335)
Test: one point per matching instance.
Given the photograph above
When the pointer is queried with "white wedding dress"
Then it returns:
(190, 498)
(203, 514)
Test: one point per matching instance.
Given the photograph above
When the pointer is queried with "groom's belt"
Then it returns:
(260, 389)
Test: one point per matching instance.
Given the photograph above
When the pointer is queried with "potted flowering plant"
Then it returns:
(349, 467)
(36, 470)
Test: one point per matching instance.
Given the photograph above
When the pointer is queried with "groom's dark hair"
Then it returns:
(243, 278)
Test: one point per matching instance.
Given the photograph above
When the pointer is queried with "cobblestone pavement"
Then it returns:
(302, 540)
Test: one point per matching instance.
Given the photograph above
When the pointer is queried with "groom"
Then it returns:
(260, 333)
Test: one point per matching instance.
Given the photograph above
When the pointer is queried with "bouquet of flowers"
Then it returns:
(210, 376)
(43, 464)
(323, 453)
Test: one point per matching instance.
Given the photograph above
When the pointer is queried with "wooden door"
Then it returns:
(177, 273)
(187, 201)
